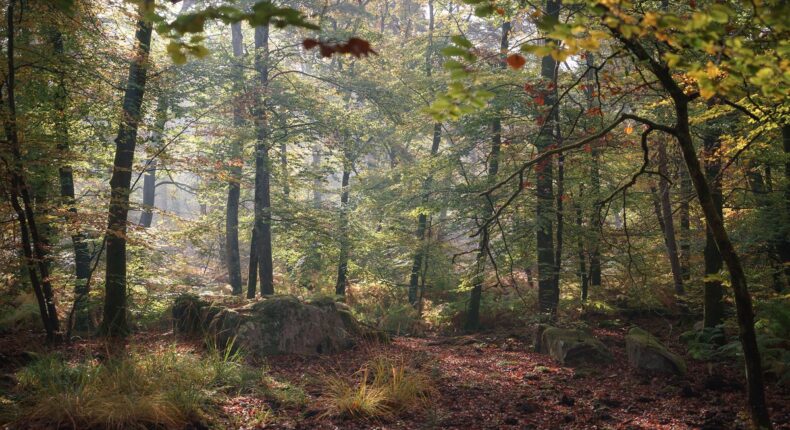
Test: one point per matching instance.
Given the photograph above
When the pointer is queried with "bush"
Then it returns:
(385, 387)
(167, 389)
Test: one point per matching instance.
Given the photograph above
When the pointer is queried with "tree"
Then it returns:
(114, 323)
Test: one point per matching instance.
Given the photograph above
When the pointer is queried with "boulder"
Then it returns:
(646, 353)
(285, 325)
(571, 347)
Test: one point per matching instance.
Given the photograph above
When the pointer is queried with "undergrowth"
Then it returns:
(382, 389)
(161, 389)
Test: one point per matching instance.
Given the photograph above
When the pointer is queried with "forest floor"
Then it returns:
(494, 381)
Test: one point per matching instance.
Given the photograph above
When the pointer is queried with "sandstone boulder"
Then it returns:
(571, 347)
(646, 353)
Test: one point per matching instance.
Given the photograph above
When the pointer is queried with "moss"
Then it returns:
(638, 340)
(572, 347)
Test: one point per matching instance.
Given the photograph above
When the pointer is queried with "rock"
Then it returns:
(285, 325)
(646, 353)
(572, 347)
(188, 314)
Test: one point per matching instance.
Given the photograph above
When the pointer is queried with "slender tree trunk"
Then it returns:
(713, 312)
(560, 221)
(114, 322)
(666, 215)
(149, 180)
(342, 267)
(263, 214)
(743, 300)
(595, 183)
(685, 224)
(234, 183)
(252, 272)
(422, 219)
(583, 279)
(42, 286)
(784, 242)
(547, 294)
(82, 257)
(473, 315)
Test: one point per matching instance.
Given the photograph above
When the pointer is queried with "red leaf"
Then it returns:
(539, 100)
(516, 61)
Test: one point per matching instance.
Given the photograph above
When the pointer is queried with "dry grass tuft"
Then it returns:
(381, 389)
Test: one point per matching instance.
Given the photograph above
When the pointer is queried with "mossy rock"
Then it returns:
(571, 347)
(647, 353)
(285, 325)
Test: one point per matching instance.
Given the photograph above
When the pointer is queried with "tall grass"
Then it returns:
(165, 388)
(382, 388)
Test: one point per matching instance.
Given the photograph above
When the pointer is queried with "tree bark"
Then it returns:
(149, 180)
(685, 224)
(666, 215)
(82, 257)
(342, 267)
(583, 279)
(114, 323)
(713, 305)
(35, 253)
(262, 204)
(422, 219)
(548, 296)
(595, 183)
(743, 300)
(233, 258)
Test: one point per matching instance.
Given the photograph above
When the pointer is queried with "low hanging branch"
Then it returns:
(559, 150)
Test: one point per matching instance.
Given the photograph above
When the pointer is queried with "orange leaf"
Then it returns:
(629, 129)
(516, 61)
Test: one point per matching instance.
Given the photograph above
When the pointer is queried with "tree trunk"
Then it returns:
(713, 309)
(743, 300)
(685, 224)
(422, 219)
(252, 272)
(114, 322)
(560, 222)
(342, 267)
(547, 294)
(82, 256)
(149, 180)
(583, 279)
(595, 182)
(35, 253)
(262, 204)
(784, 242)
(234, 183)
(473, 315)
(666, 215)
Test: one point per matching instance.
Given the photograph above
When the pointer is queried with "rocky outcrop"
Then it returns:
(571, 347)
(646, 353)
(285, 325)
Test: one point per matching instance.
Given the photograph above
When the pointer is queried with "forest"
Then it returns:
(395, 214)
